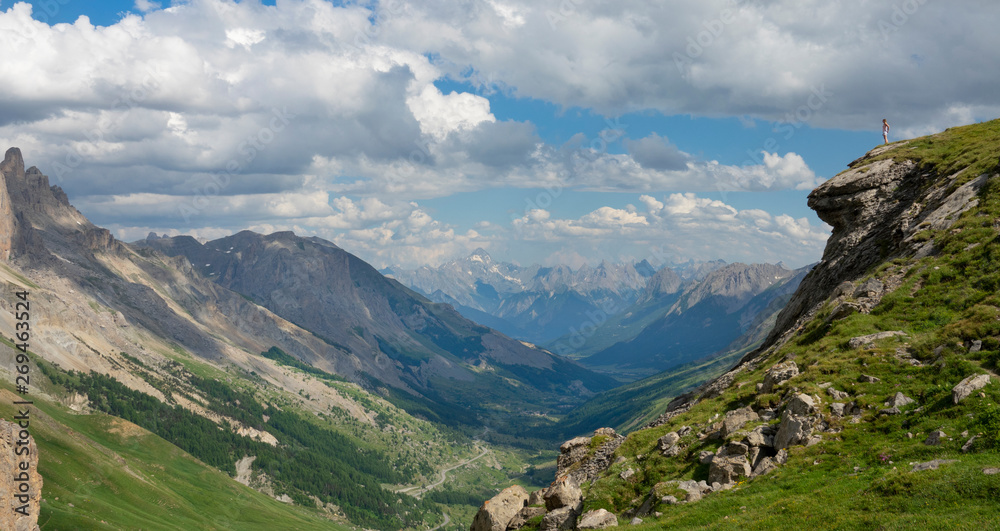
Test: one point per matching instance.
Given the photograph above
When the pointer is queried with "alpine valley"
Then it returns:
(280, 382)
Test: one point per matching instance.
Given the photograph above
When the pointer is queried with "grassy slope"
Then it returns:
(101, 472)
(861, 477)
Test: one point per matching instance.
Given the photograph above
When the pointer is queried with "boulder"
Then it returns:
(765, 465)
(705, 457)
(694, 489)
(761, 436)
(564, 493)
(864, 378)
(673, 451)
(524, 516)
(976, 346)
(626, 474)
(802, 404)
(899, 400)
(737, 448)
(777, 374)
(934, 439)
(837, 395)
(599, 519)
(561, 519)
(837, 409)
(725, 470)
(870, 288)
(537, 497)
(735, 420)
(667, 441)
(498, 511)
(968, 444)
(793, 430)
(968, 385)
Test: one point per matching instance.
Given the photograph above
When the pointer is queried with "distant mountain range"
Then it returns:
(627, 319)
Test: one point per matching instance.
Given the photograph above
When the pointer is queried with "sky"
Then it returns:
(545, 131)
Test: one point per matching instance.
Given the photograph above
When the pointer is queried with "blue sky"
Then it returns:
(411, 133)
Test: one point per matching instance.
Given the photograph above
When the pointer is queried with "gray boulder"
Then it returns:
(498, 511)
(561, 519)
(777, 374)
(667, 441)
(967, 386)
(564, 493)
(599, 519)
(761, 436)
(524, 516)
(837, 395)
(736, 418)
(793, 430)
(725, 470)
(934, 439)
(802, 404)
(899, 400)
(765, 465)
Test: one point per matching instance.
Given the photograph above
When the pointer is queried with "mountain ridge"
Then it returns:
(876, 391)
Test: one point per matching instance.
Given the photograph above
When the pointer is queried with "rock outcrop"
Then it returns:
(20, 482)
(580, 463)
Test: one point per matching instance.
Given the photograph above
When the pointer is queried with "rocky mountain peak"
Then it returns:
(480, 255)
(13, 163)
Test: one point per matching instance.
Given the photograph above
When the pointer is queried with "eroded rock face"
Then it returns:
(20, 501)
(578, 463)
(876, 210)
(498, 511)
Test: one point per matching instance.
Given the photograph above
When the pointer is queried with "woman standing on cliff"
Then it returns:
(885, 130)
